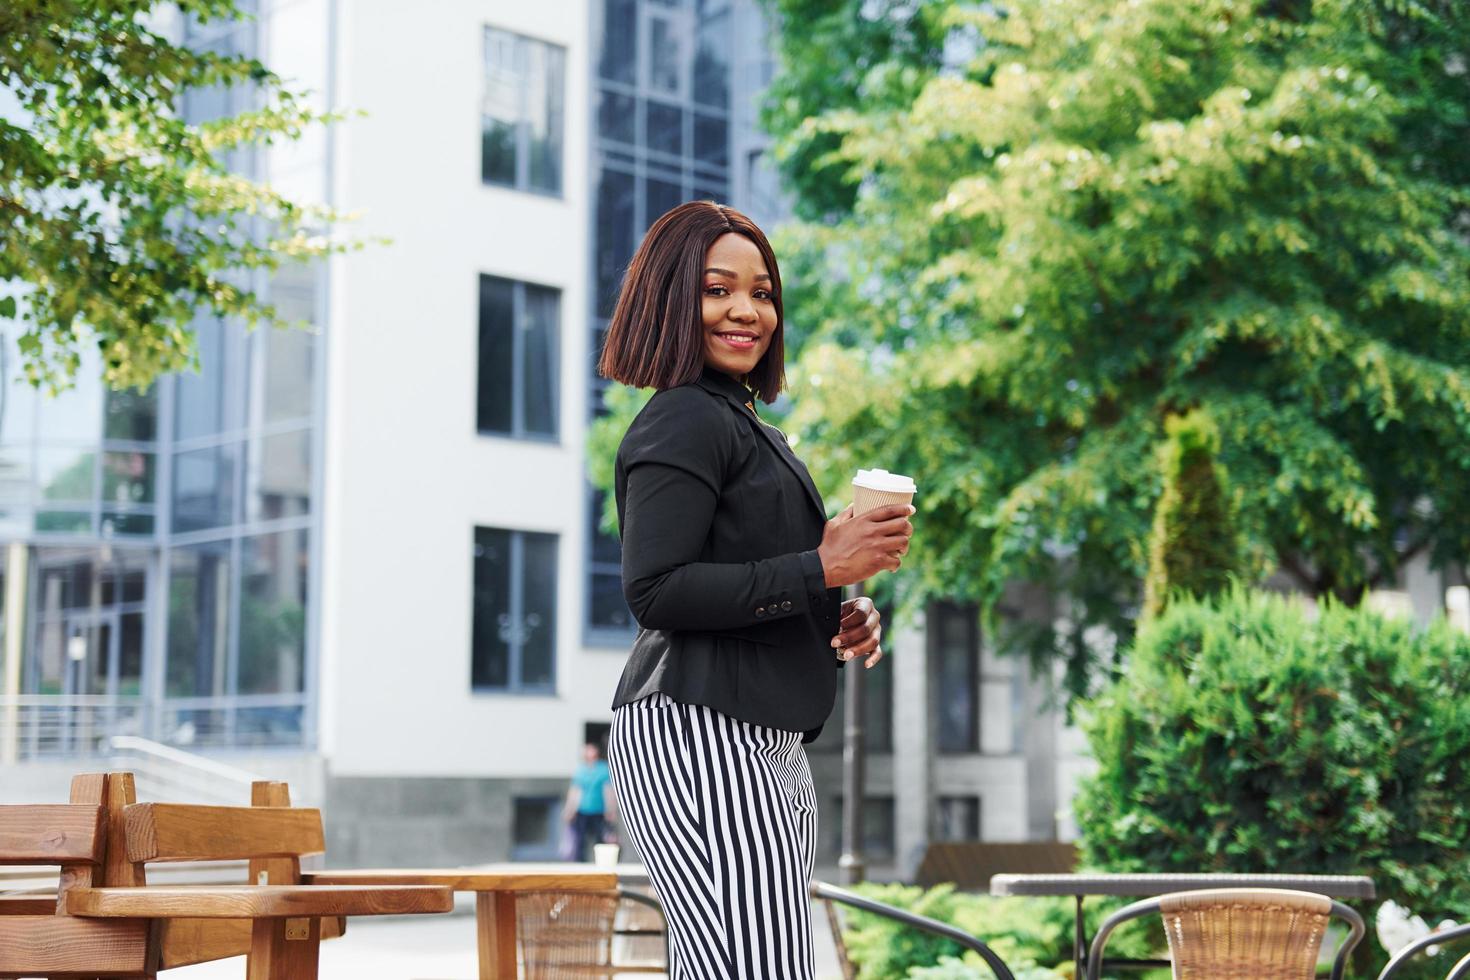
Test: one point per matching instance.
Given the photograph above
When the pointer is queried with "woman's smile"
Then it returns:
(740, 339)
(737, 306)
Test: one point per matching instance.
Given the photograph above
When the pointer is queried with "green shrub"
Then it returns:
(1247, 736)
(1032, 935)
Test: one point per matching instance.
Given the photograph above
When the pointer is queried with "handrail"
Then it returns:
(832, 893)
(145, 746)
(1433, 939)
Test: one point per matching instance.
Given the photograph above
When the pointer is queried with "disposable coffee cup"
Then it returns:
(879, 488)
(605, 855)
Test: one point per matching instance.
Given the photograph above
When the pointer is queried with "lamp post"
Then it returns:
(851, 865)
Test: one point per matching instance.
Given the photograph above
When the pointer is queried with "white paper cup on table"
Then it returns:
(605, 855)
(879, 488)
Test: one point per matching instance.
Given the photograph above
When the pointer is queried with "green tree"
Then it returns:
(122, 220)
(1076, 218)
(1193, 547)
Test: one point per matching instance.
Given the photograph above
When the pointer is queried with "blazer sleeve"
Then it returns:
(675, 458)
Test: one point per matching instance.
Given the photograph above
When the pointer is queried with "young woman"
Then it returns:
(733, 572)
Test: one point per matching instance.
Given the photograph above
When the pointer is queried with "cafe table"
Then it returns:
(1079, 886)
(495, 887)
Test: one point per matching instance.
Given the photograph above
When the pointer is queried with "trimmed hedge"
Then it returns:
(1249, 735)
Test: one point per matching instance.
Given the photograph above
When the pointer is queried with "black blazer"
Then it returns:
(720, 523)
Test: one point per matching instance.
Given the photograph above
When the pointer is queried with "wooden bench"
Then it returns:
(106, 920)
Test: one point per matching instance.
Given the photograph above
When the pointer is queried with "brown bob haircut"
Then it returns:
(656, 336)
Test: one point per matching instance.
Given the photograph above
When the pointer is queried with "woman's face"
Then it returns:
(737, 306)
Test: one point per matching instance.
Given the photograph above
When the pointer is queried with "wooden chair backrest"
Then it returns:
(76, 837)
(271, 834)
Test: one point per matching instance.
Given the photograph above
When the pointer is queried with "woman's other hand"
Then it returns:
(854, 548)
(861, 631)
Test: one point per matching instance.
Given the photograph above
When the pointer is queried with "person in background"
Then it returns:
(590, 803)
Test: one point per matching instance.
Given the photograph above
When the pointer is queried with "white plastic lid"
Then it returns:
(884, 481)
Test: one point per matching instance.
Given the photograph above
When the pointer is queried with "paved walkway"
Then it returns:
(397, 948)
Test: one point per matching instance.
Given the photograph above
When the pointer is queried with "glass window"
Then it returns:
(615, 231)
(957, 818)
(667, 54)
(288, 357)
(539, 330)
(274, 571)
(956, 634)
(204, 487)
(127, 477)
(712, 60)
(132, 415)
(519, 327)
(130, 655)
(127, 522)
(522, 111)
(211, 400)
(615, 116)
(278, 479)
(75, 415)
(712, 141)
(66, 474)
(664, 127)
(619, 60)
(495, 400)
(198, 620)
(662, 196)
(63, 521)
(514, 630)
(607, 610)
(545, 102)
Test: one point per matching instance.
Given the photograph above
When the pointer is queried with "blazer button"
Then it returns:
(786, 604)
(760, 610)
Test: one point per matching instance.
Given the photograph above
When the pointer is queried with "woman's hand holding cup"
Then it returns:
(854, 548)
(872, 534)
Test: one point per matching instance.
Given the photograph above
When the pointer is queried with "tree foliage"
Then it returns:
(1193, 547)
(1247, 735)
(121, 219)
(1067, 220)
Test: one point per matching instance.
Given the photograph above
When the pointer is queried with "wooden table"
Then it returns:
(1149, 885)
(495, 887)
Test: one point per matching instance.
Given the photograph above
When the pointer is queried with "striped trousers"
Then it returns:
(724, 815)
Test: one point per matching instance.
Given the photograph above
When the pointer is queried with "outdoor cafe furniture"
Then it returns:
(1079, 886)
(104, 919)
(1460, 971)
(1240, 933)
(562, 913)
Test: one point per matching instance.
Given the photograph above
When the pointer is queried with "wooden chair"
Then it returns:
(1460, 971)
(1240, 933)
(106, 920)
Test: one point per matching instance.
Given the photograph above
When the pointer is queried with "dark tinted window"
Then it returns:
(514, 631)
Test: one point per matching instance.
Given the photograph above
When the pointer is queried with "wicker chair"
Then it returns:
(1460, 971)
(1240, 933)
(567, 935)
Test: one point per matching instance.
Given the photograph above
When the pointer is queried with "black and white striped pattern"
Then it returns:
(725, 816)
